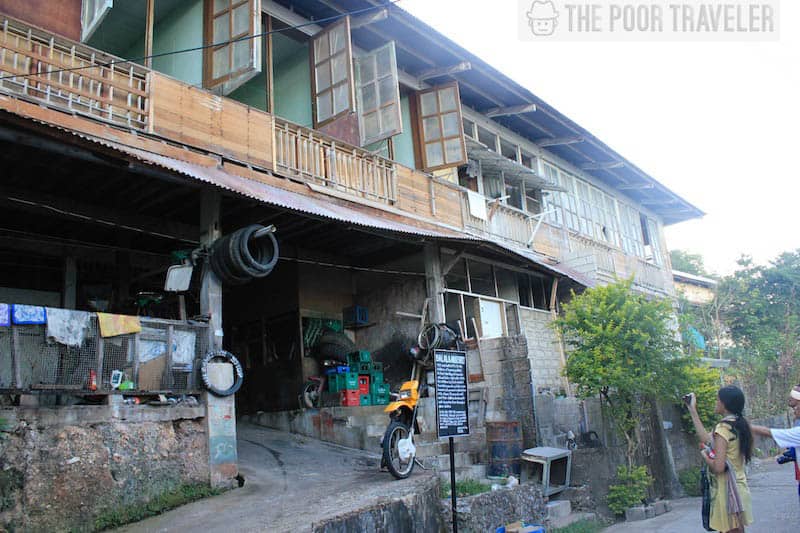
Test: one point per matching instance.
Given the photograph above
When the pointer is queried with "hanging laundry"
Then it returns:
(113, 325)
(28, 314)
(5, 317)
(66, 326)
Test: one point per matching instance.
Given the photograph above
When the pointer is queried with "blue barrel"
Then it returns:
(505, 447)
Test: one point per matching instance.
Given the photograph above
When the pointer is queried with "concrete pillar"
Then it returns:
(221, 415)
(434, 283)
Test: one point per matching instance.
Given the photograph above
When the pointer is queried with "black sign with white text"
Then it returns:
(452, 401)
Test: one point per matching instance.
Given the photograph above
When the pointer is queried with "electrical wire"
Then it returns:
(350, 267)
(205, 46)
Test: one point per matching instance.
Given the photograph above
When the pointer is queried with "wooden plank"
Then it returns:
(259, 138)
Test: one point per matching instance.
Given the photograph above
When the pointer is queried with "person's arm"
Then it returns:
(704, 435)
(786, 438)
(717, 464)
(761, 430)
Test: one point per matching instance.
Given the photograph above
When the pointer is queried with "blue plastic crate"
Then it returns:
(355, 316)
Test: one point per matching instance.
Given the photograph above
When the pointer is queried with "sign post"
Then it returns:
(452, 407)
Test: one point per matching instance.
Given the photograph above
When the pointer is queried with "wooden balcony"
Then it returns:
(53, 71)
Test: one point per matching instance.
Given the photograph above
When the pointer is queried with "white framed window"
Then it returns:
(378, 95)
(332, 72)
(631, 229)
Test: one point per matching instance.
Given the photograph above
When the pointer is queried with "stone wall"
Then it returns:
(490, 510)
(61, 468)
(543, 349)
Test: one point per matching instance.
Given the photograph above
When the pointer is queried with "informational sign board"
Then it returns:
(452, 399)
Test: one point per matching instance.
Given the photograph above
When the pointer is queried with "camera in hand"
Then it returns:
(787, 457)
(687, 398)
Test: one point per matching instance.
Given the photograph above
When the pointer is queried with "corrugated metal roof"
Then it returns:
(327, 208)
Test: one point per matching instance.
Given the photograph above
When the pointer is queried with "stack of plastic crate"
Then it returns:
(373, 389)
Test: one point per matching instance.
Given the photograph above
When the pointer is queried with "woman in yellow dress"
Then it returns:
(732, 445)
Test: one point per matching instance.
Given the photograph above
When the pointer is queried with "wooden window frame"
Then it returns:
(209, 82)
(349, 79)
(380, 106)
(421, 141)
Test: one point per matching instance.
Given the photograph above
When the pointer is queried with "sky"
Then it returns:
(716, 122)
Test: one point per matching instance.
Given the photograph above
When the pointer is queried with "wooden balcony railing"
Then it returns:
(310, 156)
(67, 75)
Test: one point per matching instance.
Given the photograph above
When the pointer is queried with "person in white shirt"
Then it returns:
(787, 438)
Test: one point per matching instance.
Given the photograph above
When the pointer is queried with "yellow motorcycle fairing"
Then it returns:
(410, 402)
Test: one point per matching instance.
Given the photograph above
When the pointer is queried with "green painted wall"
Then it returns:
(181, 29)
(404, 143)
(252, 93)
(293, 87)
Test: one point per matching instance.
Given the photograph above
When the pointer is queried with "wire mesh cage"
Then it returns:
(163, 357)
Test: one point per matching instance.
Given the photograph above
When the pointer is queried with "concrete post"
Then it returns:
(434, 283)
(221, 415)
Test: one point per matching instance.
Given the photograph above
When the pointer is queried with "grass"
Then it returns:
(582, 526)
(465, 487)
(181, 495)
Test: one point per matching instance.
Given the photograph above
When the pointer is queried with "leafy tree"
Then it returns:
(623, 350)
(763, 316)
(687, 262)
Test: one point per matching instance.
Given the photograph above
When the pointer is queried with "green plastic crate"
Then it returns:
(379, 399)
(366, 399)
(333, 383)
(344, 381)
(361, 356)
(364, 368)
(377, 366)
(376, 376)
(381, 389)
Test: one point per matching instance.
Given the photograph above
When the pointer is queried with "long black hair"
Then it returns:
(733, 399)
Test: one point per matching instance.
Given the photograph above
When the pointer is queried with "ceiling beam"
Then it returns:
(438, 72)
(100, 216)
(559, 141)
(510, 110)
(369, 18)
(604, 165)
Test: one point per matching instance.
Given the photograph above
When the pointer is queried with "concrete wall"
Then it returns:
(61, 468)
(543, 349)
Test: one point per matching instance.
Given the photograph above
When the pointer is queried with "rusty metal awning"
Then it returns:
(494, 163)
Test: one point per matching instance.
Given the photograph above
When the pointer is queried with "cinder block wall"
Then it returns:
(543, 349)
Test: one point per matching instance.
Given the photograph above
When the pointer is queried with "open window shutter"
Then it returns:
(92, 14)
(234, 58)
(332, 72)
(378, 95)
(440, 127)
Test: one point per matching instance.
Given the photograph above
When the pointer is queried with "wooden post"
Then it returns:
(148, 33)
(68, 299)
(211, 288)
(434, 283)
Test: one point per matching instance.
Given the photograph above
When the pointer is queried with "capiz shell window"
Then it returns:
(441, 127)
(332, 80)
(378, 95)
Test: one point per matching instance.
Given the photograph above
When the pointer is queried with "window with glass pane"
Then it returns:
(378, 95)
(332, 83)
(506, 284)
(524, 289)
(441, 128)
(655, 240)
(631, 230)
(233, 56)
(456, 278)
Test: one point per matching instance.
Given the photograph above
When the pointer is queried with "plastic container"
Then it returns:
(363, 384)
(349, 398)
(355, 316)
(365, 399)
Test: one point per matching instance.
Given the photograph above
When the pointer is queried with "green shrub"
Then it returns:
(690, 481)
(582, 526)
(704, 382)
(631, 489)
(465, 487)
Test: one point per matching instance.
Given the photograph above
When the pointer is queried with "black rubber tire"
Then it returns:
(222, 268)
(260, 254)
(334, 345)
(310, 389)
(395, 431)
(238, 372)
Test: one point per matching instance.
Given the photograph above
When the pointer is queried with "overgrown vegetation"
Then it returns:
(630, 489)
(690, 481)
(113, 518)
(705, 383)
(582, 526)
(465, 487)
(622, 349)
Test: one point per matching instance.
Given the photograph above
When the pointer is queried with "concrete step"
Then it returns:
(558, 509)
(570, 519)
(442, 462)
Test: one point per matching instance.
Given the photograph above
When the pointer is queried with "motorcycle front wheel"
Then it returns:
(391, 456)
(309, 397)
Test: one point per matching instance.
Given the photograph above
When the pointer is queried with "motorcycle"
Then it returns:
(399, 451)
(312, 389)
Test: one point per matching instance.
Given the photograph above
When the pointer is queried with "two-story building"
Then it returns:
(397, 168)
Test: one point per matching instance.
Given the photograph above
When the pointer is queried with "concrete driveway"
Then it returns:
(291, 483)
(775, 506)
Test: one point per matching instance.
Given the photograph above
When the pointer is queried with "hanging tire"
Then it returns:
(238, 257)
(223, 357)
(261, 255)
(399, 468)
(335, 345)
